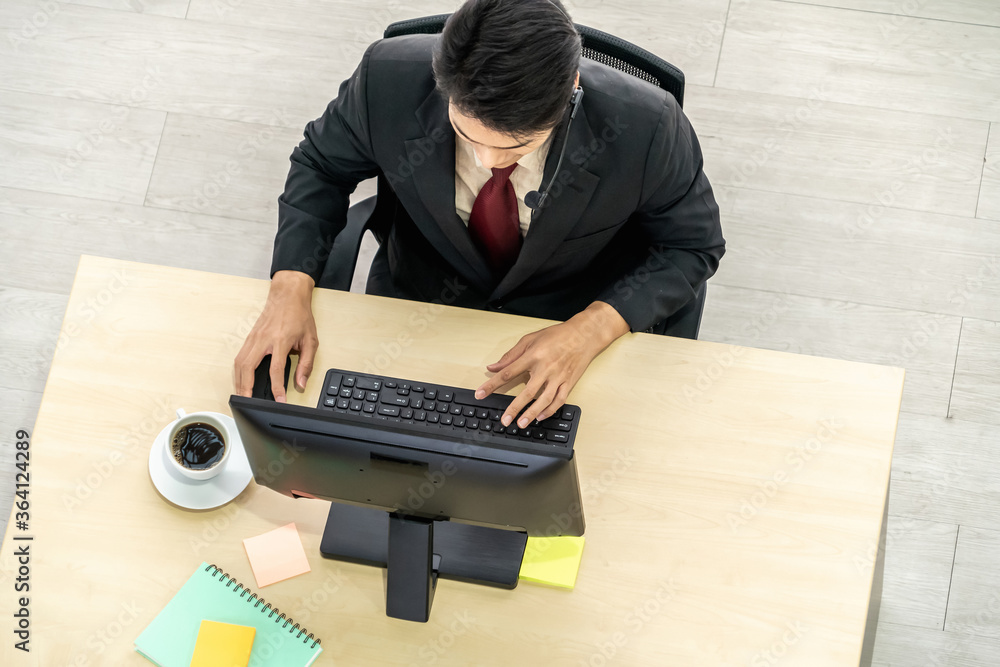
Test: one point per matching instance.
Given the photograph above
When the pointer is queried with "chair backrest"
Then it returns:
(597, 45)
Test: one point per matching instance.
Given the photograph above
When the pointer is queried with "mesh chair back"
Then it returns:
(597, 45)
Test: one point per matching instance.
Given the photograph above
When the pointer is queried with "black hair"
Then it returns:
(510, 64)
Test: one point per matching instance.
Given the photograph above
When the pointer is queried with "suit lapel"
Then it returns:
(566, 204)
(438, 193)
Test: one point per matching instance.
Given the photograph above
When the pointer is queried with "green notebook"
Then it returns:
(211, 594)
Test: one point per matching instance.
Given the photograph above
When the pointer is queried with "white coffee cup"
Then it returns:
(212, 419)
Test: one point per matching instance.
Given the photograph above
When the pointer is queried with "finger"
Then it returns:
(532, 389)
(279, 358)
(307, 356)
(542, 400)
(556, 404)
(502, 378)
(510, 355)
(243, 369)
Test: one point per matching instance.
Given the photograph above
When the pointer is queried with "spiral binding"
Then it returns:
(258, 600)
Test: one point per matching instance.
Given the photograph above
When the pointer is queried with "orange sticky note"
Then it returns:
(276, 555)
(223, 645)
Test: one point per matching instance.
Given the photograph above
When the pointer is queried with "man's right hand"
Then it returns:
(286, 324)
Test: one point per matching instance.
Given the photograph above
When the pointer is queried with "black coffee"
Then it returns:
(198, 446)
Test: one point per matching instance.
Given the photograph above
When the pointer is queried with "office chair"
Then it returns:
(376, 213)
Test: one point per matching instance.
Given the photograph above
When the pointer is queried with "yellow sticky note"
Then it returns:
(276, 555)
(552, 560)
(223, 645)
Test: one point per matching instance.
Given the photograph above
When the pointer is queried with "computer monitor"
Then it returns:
(420, 506)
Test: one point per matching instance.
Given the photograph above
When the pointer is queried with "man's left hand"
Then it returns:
(554, 359)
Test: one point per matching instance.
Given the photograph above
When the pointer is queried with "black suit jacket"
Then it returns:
(631, 219)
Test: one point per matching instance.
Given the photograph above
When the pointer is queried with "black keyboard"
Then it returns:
(438, 410)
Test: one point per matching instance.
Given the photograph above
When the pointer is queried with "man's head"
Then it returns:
(508, 69)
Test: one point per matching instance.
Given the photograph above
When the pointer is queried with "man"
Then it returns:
(464, 126)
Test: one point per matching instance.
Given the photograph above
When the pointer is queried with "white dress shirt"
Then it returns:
(471, 176)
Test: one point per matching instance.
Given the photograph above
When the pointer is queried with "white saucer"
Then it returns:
(200, 495)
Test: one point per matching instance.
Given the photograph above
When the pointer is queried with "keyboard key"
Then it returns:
(538, 434)
(557, 436)
(513, 431)
(345, 392)
(390, 384)
(473, 424)
(356, 406)
(446, 420)
(403, 391)
(343, 403)
(401, 401)
(431, 394)
(444, 407)
(482, 413)
(456, 409)
(495, 415)
(372, 396)
(358, 395)
(369, 408)
(486, 425)
(469, 412)
(333, 386)
(405, 385)
(349, 382)
(416, 403)
(433, 418)
(388, 410)
(557, 424)
(447, 396)
(567, 415)
(369, 384)
(330, 402)
(460, 422)
(500, 429)
(527, 432)
(420, 415)
(406, 413)
(430, 406)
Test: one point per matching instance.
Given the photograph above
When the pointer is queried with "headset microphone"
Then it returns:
(534, 199)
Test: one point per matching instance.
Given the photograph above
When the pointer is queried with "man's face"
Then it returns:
(494, 149)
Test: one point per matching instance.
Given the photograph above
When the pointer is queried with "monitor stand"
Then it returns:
(416, 551)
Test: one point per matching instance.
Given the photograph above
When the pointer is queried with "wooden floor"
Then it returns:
(854, 146)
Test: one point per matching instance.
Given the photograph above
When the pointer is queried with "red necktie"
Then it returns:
(493, 222)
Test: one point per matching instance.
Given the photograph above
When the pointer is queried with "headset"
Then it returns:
(535, 199)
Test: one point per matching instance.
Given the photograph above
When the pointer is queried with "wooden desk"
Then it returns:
(734, 497)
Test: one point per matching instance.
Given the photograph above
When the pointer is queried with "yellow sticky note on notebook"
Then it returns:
(223, 645)
(276, 555)
(552, 560)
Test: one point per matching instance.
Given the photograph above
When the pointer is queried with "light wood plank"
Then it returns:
(904, 646)
(989, 193)
(687, 33)
(29, 332)
(982, 12)
(945, 470)
(974, 605)
(861, 253)
(874, 60)
(220, 167)
(838, 151)
(99, 151)
(175, 8)
(976, 395)
(841, 330)
(918, 560)
(44, 236)
(169, 64)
